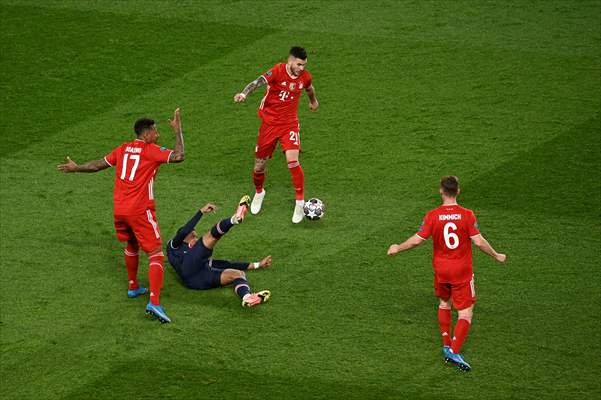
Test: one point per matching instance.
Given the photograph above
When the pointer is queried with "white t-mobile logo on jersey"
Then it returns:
(283, 95)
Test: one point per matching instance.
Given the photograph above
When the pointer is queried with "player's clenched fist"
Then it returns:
(501, 257)
(313, 105)
(393, 249)
(240, 97)
(207, 208)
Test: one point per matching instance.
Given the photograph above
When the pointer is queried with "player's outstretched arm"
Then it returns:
(185, 230)
(408, 244)
(92, 166)
(313, 103)
(483, 245)
(178, 154)
(251, 87)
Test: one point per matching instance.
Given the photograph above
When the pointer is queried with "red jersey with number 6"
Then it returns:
(280, 103)
(136, 165)
(451, 227)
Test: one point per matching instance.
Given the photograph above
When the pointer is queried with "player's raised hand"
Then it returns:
(176, 123)
(393, 249)
(70, 166)
(501, 257)
(240, 98)
(313, 105)
(207, 208)
(266, 262)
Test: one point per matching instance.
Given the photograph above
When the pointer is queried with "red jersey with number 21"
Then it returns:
(280, 103)
(451, 227)
(136, 164)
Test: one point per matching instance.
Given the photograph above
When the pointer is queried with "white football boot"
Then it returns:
(299, 213)
(257, 202)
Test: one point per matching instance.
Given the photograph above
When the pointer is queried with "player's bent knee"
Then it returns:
(155, 251)
(260, 164)
(466, 314)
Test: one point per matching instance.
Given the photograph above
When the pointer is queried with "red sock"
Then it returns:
(461, 329)
(155, 277)
(298, 179)
(131, 264)
(444, 323)
(258, 179)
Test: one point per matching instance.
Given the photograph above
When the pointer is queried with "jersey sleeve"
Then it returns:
(425, 229)
(158, 154)
(270, 75)
(473, 228)
(111, 158)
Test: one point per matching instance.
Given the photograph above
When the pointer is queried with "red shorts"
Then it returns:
(269, 135)
(142, 228)
(463, 295)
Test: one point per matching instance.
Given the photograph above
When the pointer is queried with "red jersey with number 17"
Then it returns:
(280, 103)
(451, 227)
(136, 164)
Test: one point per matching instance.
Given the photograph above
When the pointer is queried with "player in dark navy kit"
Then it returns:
(191, 257)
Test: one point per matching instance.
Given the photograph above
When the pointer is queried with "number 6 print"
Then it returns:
(450, 239)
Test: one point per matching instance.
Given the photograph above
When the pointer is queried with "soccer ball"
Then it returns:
(314, 209)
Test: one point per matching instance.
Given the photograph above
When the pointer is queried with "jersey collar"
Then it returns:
(289, 74)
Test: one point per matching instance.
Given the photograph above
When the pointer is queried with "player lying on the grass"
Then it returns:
(136, 164)
(191, 257)
(279, 112)
(451, 227)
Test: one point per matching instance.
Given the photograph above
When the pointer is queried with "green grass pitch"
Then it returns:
(506, 95)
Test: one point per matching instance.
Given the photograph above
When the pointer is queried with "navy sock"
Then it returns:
(241, 287)
(223, 264)
(221, 228)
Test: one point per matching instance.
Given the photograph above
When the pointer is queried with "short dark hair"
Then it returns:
(298, 52)
(450, 185)
(142, 125)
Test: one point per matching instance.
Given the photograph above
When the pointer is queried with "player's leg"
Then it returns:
(266, 143)
(258, 180)
(210, 239)
(290, 140)
(444, 321)
(126, 234)
(443, 292)
(464, 321)
(242, 266)
(132, 257)
(148, 235)
(464, 297)
(242, 288)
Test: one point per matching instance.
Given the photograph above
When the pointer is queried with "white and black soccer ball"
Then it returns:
(314, 209)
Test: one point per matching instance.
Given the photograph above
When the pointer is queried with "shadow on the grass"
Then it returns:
(555, 178)
(202, 380)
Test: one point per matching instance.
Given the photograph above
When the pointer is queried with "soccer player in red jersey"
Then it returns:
(136, 164)
(452, 228)
(279, 112)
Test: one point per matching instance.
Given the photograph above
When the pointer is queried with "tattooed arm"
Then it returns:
(92, 166)
(251, 87)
